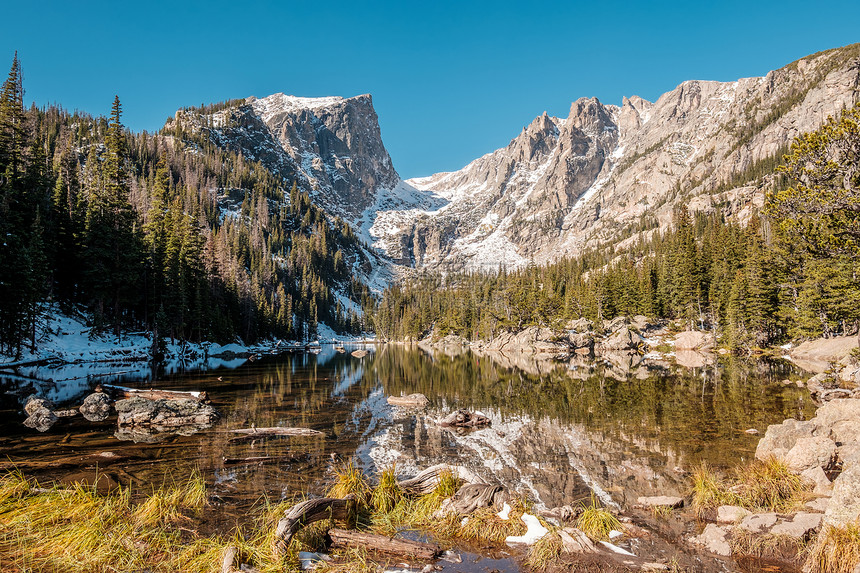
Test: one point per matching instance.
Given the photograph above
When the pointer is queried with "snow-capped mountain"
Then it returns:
(562, 184)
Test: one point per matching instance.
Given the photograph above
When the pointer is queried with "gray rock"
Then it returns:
(165, 414)
(818, 504)
(759, 522)
(622, 339)
(800, 526)
(661, 501)
(694, 340)
(780, 438)
(41, 419)
(731, 513)
(575, 541)
(96, 407)
(808, 453)
(838, 420)
(844, 504)
(714, 539)
(817, 476)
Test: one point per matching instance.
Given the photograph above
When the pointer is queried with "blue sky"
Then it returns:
(450, 80)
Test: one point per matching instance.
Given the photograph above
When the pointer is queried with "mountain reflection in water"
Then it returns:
(618, 428)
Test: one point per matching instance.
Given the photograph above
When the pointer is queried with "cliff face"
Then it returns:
(331, 146)
(565, 184)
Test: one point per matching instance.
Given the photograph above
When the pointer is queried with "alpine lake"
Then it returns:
(608, 429)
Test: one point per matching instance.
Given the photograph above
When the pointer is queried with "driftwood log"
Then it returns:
(415, 549)
(472, 497)
(409, 401)
(308, 512)
(151, 394)
(258, 460)
(464, 419)
(427, 480)
(277, 431)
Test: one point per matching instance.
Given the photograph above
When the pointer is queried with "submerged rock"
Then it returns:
(96, 407)
(41, 420)
(165, 414)
(39, 414)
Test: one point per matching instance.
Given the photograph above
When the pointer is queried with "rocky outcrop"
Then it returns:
(165, 415)
(817, 449)
(694, 340)
(532, 340)
(565, 184)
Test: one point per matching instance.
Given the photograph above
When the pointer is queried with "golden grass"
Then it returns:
(745, 542)
(387, 494)
(77, 529)
(596, 521)
(761, 485)
(351, 480)
(835, 550)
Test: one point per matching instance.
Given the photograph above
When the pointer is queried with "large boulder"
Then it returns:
(40, 415)
(839, 420)
(96, 407)
(809, 453)
(165, 414)
(780, 438)
(694, 340)
(715, 539)
(622, 339)
(844, 506)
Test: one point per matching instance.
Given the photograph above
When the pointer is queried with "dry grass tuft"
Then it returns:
(350, 480)
(761, 485)
(596, 521)
(387, 495)
(745, 542)
(835, 550)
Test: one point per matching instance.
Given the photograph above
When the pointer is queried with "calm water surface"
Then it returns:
(617, 428)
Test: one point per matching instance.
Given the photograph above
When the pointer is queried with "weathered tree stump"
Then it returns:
(472, 497)
(415, 549)
(308, 512)
(464, 419)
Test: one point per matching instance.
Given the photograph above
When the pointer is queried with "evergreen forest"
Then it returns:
(790, 272)
(160, 232)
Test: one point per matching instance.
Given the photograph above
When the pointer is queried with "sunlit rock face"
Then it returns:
(563, 184)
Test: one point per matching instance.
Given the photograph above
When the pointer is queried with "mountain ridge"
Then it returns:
(562, 185)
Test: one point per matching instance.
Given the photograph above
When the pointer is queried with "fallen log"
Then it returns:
(464, 419)
(414, 549)
(151, 394)
(257, 460)
(308, 512)
(410, 401)
(427, 480)
(277, 431)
